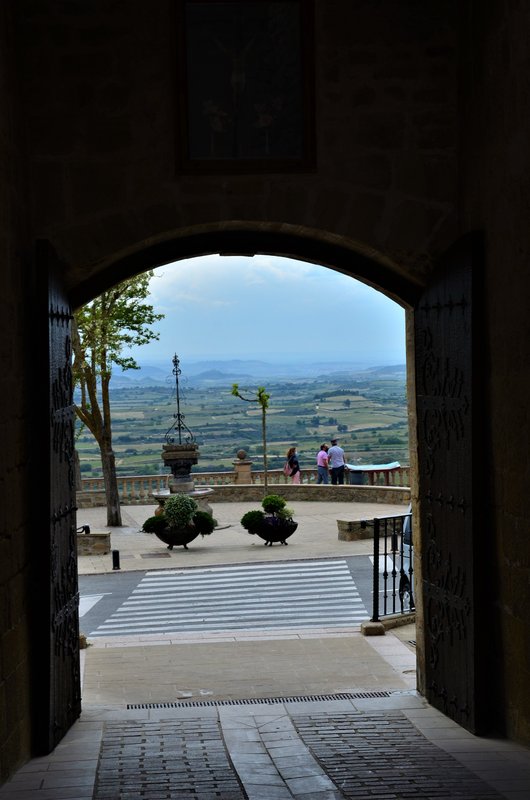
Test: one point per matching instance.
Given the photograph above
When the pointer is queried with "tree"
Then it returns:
(101, 330)
(262, 398)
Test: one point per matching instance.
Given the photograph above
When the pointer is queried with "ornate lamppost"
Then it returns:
(180, 453)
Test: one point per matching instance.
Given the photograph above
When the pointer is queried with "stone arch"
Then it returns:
(358, 260)
(340, 253)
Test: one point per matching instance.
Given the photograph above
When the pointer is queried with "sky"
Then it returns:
(270, 308)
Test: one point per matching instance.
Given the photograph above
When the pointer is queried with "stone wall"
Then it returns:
(496, 182)
(101, 110)
(319, 494)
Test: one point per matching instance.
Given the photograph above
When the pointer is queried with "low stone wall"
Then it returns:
(318, 494)
(242, 493)
(96, 543)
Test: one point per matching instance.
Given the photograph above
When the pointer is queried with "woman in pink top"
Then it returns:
(292, 459)
(322, 464)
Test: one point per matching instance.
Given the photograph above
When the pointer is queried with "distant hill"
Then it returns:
(246, 371)
(393, 369)
(147, 375)
(234, 367)
(217, 376)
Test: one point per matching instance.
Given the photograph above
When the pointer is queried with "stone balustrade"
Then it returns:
(138, 489)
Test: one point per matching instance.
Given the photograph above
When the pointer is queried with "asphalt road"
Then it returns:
(294, 594)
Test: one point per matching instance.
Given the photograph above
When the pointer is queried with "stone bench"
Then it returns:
(95, 543)
(353, 530)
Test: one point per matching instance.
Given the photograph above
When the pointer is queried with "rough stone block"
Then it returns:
(353, 530)
(373, 629)
(96, 543)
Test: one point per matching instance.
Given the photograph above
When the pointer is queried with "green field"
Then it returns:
(370, 414)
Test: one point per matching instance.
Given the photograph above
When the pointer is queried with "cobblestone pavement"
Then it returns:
(165, 759)
(271, 754)
(385, 756)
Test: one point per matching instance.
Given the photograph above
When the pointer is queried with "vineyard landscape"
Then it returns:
(366, 407)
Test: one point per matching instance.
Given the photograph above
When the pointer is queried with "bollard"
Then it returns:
(115, 559)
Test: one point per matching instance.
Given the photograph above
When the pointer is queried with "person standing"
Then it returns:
(322, 464)
(292, 460)
(337, 462)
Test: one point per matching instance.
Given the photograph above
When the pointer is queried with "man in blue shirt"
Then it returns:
(337, 462)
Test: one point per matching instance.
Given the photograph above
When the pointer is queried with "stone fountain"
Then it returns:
(180, 453)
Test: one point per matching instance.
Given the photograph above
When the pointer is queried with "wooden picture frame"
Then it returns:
(245, 86)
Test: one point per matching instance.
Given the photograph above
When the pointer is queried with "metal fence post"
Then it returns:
(375, 600)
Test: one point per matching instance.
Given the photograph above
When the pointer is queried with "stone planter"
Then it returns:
(177, 537)
(276, 530)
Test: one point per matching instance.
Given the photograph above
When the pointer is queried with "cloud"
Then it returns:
(242, 306)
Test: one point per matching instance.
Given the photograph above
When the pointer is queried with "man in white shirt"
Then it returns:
(337, 462)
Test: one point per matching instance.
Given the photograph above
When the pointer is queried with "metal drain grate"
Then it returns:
(155, 555)
(252, 701)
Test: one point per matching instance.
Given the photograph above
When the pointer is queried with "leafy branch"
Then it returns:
(262, 398)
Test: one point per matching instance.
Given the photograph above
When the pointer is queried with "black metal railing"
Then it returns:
(393, 585)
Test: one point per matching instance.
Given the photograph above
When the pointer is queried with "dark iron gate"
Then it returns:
(450, 472)
(57, 601)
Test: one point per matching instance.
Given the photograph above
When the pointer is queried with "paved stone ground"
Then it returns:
(385, 756)
(271, 754)
(165, 760)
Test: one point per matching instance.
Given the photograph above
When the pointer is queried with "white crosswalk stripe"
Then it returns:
(87, 602)
(255, 597)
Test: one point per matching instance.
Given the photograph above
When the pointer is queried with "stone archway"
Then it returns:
(401, 283)
(356, 261)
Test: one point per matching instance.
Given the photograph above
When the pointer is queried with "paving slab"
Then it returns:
(315, 537)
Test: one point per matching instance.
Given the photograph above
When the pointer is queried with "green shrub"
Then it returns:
(285, 513)
(204, 522)
(273, 503)
(155, 524)
(252, 521)
(179, 510)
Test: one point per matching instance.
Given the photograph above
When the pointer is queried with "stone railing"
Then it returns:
(138, 489)
(133, 490)
(398, 476)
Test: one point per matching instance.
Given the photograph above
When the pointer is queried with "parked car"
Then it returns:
(406, 565)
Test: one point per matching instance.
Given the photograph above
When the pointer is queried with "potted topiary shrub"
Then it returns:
(180, 522)
(274, 524)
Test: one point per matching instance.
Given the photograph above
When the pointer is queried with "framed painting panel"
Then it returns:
(245, 86)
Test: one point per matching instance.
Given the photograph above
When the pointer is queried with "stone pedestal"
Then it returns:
(242, 468)
(180, 458)
(199, 495)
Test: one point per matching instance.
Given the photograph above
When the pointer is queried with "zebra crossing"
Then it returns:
(236, 598)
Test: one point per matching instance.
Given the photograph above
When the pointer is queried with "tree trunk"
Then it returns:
(265, 464)
(111, 484)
